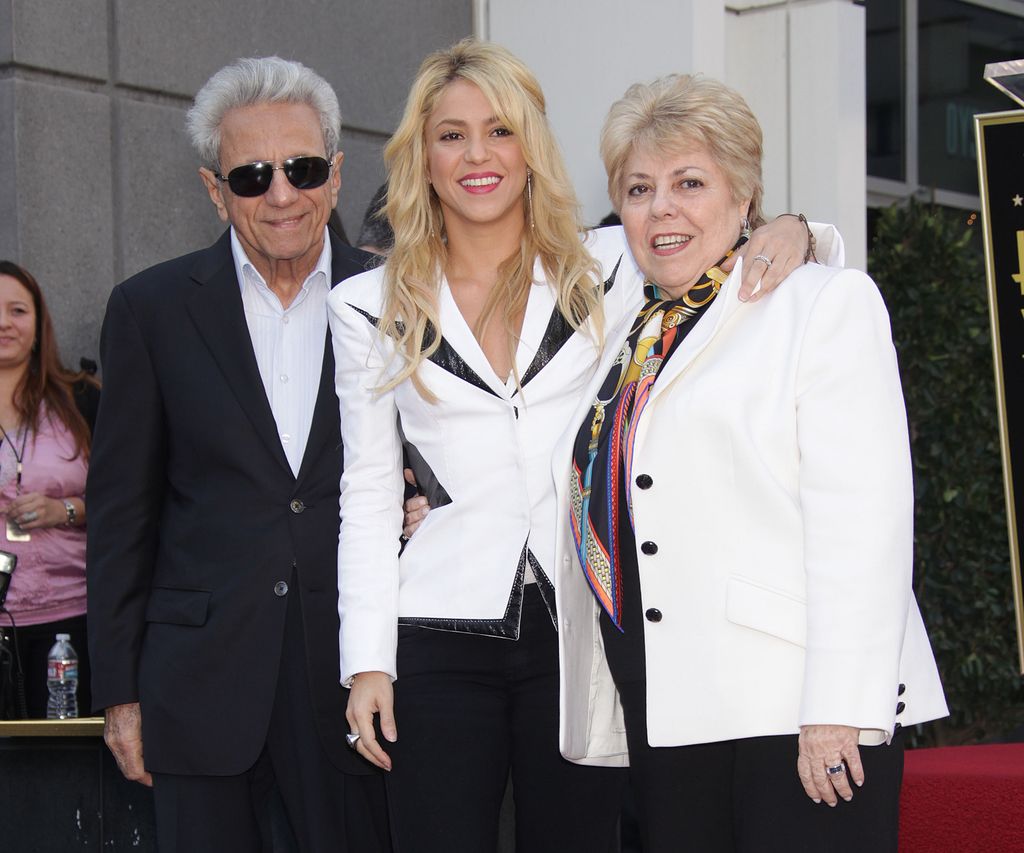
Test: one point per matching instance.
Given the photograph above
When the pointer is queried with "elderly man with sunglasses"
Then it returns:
(213, 494)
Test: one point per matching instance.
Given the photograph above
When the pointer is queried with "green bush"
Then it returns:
(933, 281)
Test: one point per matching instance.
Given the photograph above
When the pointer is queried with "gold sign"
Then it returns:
(1000, 140)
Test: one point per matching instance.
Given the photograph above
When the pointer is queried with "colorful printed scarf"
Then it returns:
(603, 451)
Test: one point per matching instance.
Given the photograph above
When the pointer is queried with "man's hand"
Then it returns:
(371, 694)
(122, 733)
(416, 508)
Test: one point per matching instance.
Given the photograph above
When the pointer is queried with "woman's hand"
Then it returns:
(371, 694)
(32, 510)
(416, 508)
(822, 747)
(784, 241)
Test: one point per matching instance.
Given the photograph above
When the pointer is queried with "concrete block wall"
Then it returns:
(98, 178)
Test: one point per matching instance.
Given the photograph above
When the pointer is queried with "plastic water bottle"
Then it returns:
(62, 680)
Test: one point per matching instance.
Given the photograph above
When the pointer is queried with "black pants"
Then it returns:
(329, 811)
(738, 796)
(744, 796)
(469, 709)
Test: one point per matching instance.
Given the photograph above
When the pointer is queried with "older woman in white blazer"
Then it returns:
(734, 551)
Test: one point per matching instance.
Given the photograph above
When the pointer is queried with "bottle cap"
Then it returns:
(64, 637)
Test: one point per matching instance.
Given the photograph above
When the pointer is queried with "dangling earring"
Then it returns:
(529, 196)
(745, 228)
(431, 195)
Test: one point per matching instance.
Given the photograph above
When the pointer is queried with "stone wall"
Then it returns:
(97, 179)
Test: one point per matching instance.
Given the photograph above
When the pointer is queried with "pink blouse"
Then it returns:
(49, 582)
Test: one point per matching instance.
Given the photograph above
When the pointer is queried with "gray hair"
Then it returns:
(263, 80)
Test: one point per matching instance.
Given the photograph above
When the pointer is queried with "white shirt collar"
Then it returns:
(244, 268)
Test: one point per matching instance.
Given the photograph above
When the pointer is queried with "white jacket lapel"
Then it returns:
(697, 338)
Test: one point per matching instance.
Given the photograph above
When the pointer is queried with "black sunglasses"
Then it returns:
(253, 179)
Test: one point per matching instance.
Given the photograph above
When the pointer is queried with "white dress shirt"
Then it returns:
(289, 345)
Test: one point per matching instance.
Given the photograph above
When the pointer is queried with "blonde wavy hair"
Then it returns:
(418, 258)
(686, 108)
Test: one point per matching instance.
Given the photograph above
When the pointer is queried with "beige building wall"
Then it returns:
(799, 63)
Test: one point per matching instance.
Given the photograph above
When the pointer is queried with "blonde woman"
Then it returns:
(469, 349)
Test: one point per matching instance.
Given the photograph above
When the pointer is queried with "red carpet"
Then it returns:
(963, 799)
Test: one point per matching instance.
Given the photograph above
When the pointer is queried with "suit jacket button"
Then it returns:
(901, 690)
(297, 506)
(653, 614)
(645, 481)
(280, 589)
(900, 707)
(649, 548)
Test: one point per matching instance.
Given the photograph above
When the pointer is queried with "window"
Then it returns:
(955, 42)
(924, 64)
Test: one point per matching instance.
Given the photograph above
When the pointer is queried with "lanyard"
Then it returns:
(19, 456)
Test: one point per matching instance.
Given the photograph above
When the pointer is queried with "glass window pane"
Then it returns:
(956, 41)
(886, 142)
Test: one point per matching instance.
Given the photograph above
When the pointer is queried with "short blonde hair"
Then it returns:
(416, 261)
(683, 109)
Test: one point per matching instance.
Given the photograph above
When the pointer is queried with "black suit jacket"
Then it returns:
(195, 519)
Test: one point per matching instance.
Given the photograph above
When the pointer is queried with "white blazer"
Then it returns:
(488, 444)
(782, 508)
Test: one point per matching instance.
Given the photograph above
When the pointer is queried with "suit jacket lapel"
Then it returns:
(216, 309)
(325, 413)
(718, 313)
(459, 335)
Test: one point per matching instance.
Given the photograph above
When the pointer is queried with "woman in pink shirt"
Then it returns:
(44, 453)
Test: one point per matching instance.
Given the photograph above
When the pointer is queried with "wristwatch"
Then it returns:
(69, 508)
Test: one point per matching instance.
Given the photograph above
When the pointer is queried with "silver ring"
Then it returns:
(767, 262)
(351, 739)
(29, 516)
(836, 769)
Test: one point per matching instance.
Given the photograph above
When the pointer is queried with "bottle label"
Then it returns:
(62, 670)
